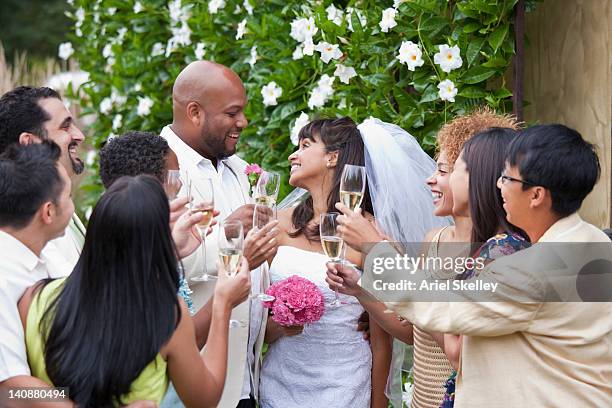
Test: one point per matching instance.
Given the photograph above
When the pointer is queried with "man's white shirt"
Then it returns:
(20, 268)
(231, 190)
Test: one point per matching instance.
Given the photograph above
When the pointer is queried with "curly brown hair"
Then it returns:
(455, 133)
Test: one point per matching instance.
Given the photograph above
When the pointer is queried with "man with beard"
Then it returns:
(208, 102)
(31, 115)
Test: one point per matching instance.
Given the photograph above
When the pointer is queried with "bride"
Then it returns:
(327, 363)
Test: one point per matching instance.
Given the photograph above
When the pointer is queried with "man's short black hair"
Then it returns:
(20, 112)
(132, 154)
(29, 177)
(559, 159)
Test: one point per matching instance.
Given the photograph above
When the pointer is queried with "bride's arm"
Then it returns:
(380, 342)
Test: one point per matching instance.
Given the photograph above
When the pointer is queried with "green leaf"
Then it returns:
(433, 23)
(477, 74)
(473, 92)
(430, 94)
(497, 38)
(474, 49)
(471, 27)
(502, 93)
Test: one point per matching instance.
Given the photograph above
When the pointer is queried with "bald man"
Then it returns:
(208, 101)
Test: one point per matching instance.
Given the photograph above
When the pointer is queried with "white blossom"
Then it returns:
(117, 122)
(247, 6)
(137, 87)
(270, 92)
(121, 34)
(106, 105)
(65, 50)
(200, 50)
(158, 49)
(180, 36)
(117, 98)
(410, 54)
(107, 51)
(241, 29)
(335, 15)
(78, 32)
(215, 5)
(178, 13)
(321, 93)
(96, 18)
(448, 58)
(71, 2)
(90, 158)
(254, 56)
(344, 73)
(300, 122)
(407, 393)
(298, 53)
(360, 16)
(112, 11)
(144, 106)
(309, 47)
(80, 16)
(303, 28)
(396, 3)
(447, 90)
(328, 51)
(388, 20)
(342, 104)
(138, 7)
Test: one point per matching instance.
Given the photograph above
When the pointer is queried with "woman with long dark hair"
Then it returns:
(327, 363)
(114, 331)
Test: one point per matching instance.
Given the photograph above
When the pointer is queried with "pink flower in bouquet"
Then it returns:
(253, 171)
(297, 301)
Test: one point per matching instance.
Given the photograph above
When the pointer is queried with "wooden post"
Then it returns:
(519, 58)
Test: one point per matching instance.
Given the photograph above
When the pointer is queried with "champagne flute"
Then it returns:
(202, 198)
(352, 186)
(332, 243)
(262, 215)
(267, 187)
(172, 183)
(231, 242)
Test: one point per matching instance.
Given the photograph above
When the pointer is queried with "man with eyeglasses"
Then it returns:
(522, 349)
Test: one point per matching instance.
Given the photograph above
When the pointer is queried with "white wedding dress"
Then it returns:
(329, 364)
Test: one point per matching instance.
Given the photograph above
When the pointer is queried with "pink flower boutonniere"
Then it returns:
(253, 171)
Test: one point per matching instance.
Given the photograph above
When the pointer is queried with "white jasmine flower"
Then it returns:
(137, 87)
(300, 122)
(407, 393)
(335, 15)
(78, 32)
(303, 28)
(388, 20)
(328, 51)
(112, 11)
(270, 92)
(65, 50)
(107, 51)
(106, 105)
(121, 34)
(448, 58)
(309, 47)
(447, 90)
(321, 93)
(181, 35)
(247, 6)
(117, 122)
(254, 56)
(96, 18)
(117, 98)
(344, 73)
(298, 53)
(200, 50)
(342, 103)
(396, 3)
(215, 5)
(80, 16)
(138, 7)
(241, 29)
(410, 54)
(71, 2)
(144, 106)
(360, 16)
(158, 49)
(90, 158)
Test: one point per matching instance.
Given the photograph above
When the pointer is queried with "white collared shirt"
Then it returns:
(62, 253)
(20, 268)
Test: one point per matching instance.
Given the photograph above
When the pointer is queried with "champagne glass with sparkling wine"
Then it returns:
(202, 201)
(332, 242)
(231, 243)
(262, 215)
(266, 189)
(352, 186)
(172, 183)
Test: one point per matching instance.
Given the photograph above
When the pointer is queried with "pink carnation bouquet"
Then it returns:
(297, 301)
(253, 171)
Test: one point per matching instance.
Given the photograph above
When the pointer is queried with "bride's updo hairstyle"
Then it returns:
(338, 135)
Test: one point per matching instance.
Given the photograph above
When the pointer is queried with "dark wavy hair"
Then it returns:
(132, 154)
(119, 306)
(339, 135)
(484, 156)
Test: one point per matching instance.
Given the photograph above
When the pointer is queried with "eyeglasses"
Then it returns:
(505, 178)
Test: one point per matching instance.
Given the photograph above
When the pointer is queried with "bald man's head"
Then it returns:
(208, 102)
